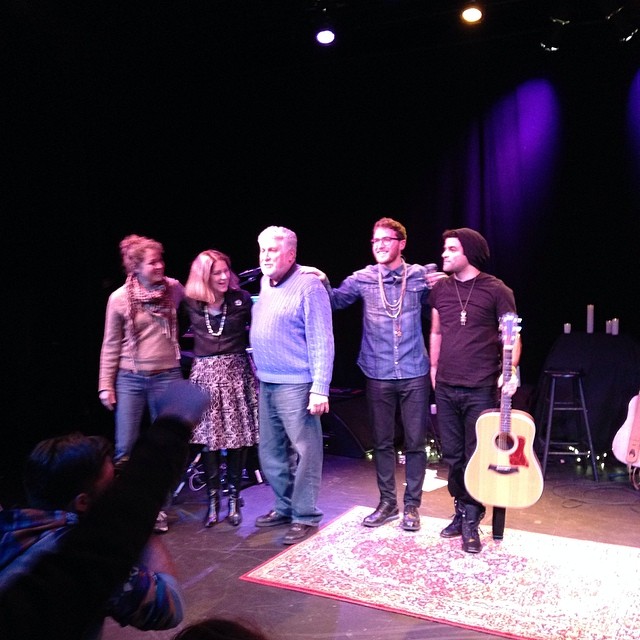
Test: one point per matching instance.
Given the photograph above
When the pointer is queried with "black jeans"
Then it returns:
(383, 399)
(458, 411)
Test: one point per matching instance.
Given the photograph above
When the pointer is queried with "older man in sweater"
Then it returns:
(292, 341)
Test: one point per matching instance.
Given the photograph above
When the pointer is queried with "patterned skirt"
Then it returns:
(231, 419)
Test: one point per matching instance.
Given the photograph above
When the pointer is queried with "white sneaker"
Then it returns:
(162, 523)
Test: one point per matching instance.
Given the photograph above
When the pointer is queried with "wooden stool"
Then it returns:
(575, 402)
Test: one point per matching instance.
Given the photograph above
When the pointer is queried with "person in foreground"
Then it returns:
(63, 476)
(292, 340)
(465, 352)
(219, 314)
(394, 360)
(86, 570)
(220, 629)
(140, 352)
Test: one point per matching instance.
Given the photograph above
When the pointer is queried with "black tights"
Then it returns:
(235, 464)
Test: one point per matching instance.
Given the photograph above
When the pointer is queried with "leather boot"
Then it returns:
(213, 508)
(235, 514)
(235, 463)
(471, 517)
(211, 464)
(454, 528)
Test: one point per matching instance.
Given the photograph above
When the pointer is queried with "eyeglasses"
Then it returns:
(385, 242)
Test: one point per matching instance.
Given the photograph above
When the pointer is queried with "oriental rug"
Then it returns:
(528, 585)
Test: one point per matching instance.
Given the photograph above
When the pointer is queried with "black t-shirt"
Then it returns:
(470, 354)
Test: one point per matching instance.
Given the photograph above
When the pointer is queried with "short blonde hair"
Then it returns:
(198, 285)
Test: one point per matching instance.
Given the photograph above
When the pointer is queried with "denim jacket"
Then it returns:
(390, 349)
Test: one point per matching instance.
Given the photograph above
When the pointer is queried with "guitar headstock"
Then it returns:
(510, 328)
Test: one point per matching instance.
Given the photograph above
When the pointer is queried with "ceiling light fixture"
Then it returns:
(561, 25)
(622, 18)
(471, 13)
(325, 35)
(324, 22)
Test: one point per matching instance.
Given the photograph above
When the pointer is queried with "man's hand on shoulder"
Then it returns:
(315, 272)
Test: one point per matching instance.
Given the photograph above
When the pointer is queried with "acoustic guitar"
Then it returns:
(626, 442)
(504, 470)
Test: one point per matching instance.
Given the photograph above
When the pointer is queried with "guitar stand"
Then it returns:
(497, 523)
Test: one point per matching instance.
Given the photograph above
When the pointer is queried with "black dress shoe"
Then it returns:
(384, 512)
(272, 519)
(298, 532)
(410, 519)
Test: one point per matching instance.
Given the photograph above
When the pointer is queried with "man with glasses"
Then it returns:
(394, 359)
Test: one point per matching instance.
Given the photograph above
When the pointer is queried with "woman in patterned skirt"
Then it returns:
(219, 313)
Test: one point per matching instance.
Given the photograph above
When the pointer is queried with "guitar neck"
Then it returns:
(505, 399)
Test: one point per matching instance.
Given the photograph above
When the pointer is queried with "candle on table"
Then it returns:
(589, 318)
(615, 326)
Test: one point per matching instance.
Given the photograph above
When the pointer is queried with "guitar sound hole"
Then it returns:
(505, 442)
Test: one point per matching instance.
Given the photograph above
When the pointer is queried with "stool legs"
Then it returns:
(551, 395)
(578, 404)
(587, 428)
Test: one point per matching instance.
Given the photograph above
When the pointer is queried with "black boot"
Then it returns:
(213, 509)
(211, 463)
(454, 528)
(235, 514)
(471, 517)
(235, 461)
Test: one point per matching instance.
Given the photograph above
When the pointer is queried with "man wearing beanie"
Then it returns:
(465, 352)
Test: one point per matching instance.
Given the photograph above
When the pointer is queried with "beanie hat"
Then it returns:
(475, 247)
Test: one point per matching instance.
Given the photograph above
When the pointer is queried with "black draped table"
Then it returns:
(611, 367)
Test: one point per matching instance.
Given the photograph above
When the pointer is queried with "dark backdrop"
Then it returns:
(201, 123)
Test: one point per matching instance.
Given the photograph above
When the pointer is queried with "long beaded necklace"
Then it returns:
(393, 309)
(463, 308)
(207, 320)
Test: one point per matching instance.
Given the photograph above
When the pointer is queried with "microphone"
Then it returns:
(250, 273)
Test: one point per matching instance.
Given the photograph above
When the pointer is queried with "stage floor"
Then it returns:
(210, 561)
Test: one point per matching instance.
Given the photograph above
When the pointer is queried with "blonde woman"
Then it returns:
(219, 313)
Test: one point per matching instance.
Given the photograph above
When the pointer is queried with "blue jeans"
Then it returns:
(383, 399)
(134, 393)
(458, 411)
(291, 450)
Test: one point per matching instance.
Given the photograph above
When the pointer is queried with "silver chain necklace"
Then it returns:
(463, 308)
(393, 309)
(207, 320)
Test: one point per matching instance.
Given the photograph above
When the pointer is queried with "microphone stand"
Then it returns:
(247, 280)
(250, 275)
